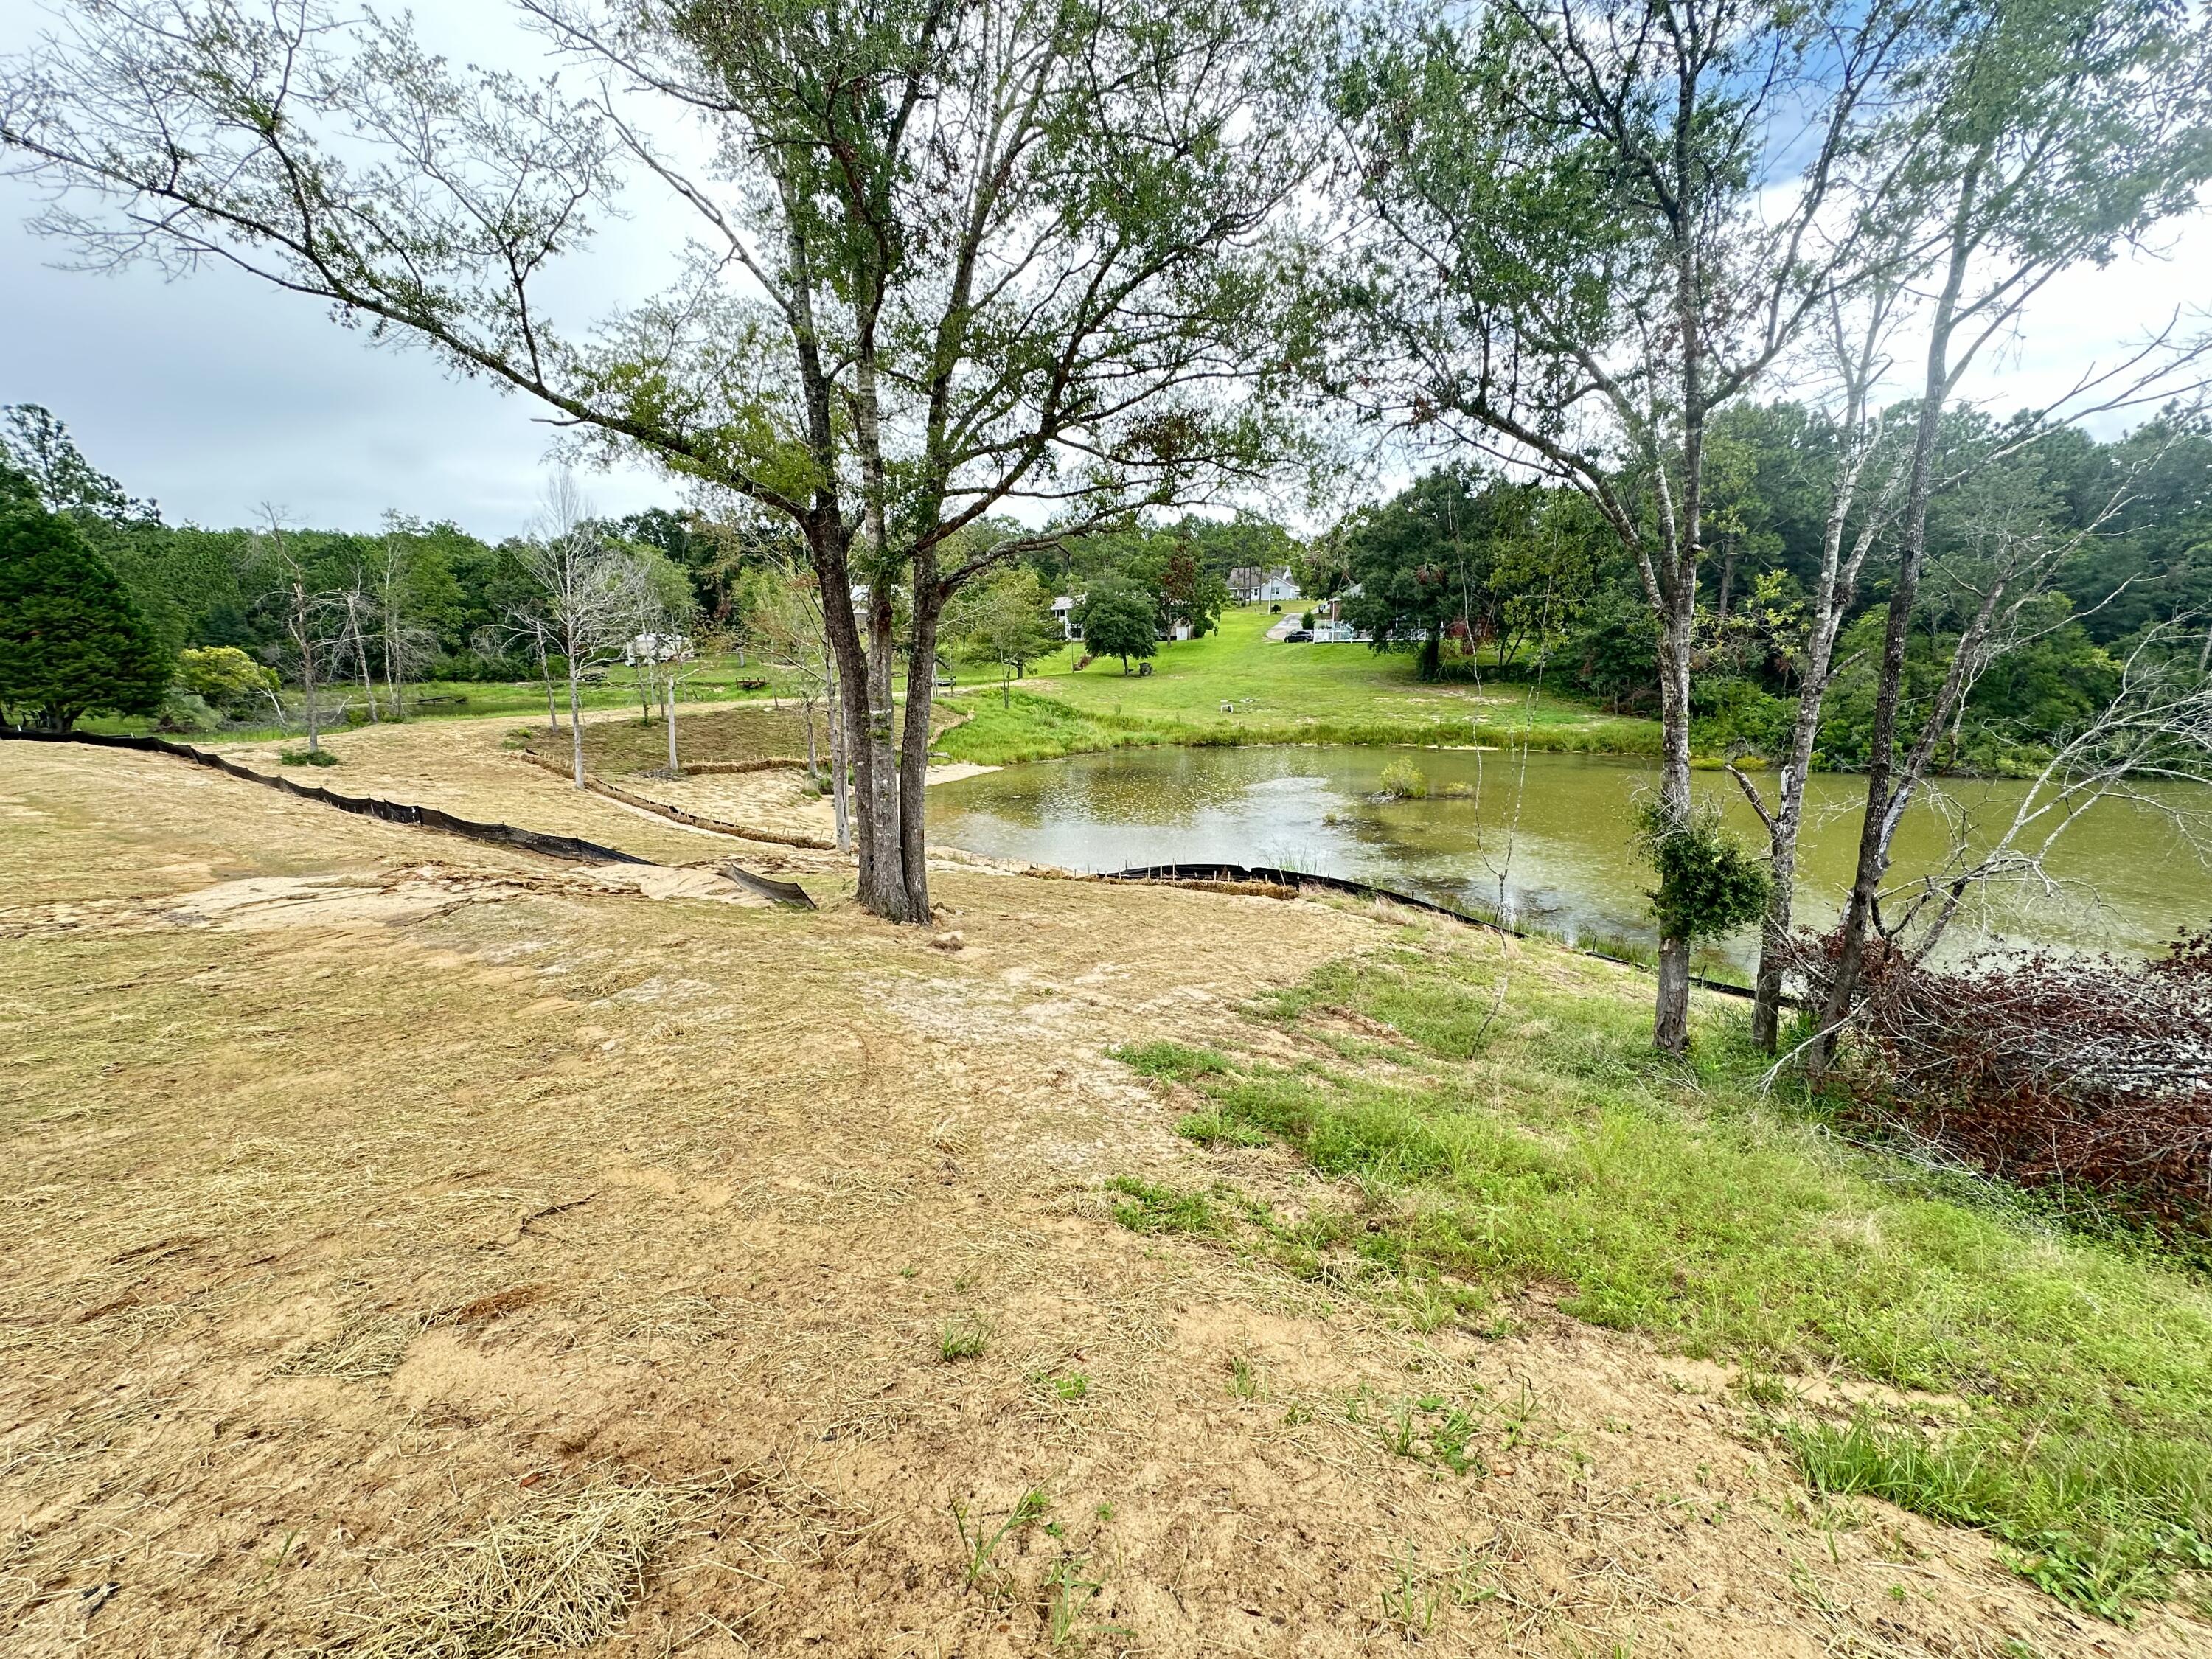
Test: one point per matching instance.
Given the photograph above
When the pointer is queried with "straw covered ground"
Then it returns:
(414, 1248)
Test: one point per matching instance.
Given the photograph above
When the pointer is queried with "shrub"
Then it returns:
(307, 757)
(184, 712)
(1403, 781)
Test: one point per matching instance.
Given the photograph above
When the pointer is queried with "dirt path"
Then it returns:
(372, 1191)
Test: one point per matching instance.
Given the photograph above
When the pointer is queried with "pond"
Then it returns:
(1543, 842)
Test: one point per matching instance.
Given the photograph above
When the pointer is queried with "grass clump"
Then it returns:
(966, 1337)
(307, 757)
(1214, 1128)
(1529, 1135)
(980, 1548)
(1071, 1386)
(1171, 1062)
(1148, 1208)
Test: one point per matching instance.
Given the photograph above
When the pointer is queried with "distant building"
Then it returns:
(1063, 612)
(1330, 625)
(657, 647)
(1250, 585)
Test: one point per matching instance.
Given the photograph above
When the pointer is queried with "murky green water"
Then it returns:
(1554, 854)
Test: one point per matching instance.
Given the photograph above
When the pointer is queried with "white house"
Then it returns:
(1250, 585)
(1063, 612)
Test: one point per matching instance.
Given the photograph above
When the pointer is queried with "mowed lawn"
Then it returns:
(1238, 686)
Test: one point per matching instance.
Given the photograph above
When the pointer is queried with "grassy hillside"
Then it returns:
(1489, 1128)
(1238, 686)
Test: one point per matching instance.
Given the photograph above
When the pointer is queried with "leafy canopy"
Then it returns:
(1119, 619)
(71, 641)
(1710, 884)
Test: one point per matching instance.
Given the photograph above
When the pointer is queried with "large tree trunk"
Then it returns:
(883, 868)
(863, 667)
(914, 738)
(1670, 1021)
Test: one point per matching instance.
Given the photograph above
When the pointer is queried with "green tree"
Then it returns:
(1594, 227)
(1003, 619)
(226, 679)
(38, 448)
(1118, 619)
(1428, 563)
(963, 257)
(1189, 595)
(71, 641)
(2046, 135)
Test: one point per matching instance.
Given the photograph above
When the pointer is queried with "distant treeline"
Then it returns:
(1477, 572)
(199, 587)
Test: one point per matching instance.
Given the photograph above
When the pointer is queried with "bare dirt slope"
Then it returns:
(412, 1248)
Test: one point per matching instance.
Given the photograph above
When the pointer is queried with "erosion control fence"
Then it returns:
(391, 811)
(1270, 876)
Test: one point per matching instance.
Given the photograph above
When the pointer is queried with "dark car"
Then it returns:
(1298, 636)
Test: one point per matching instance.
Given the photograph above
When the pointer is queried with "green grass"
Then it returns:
(965, 1338)
(716, 682)
(1526, 1134)
(1279, 694)
(1173, 1062)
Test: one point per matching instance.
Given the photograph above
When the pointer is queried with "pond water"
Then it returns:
(1544, 842)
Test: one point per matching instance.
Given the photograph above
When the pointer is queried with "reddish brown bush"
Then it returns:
(2053, 1072)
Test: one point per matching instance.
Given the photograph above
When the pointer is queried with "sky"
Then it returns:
(218, 395)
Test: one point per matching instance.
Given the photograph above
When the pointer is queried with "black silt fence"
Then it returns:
(575, 848)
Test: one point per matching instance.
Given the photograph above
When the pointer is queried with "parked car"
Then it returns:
(1298, 636)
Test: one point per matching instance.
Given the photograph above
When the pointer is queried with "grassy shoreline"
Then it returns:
(1031, 726)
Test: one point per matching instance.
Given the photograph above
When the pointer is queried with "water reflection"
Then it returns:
(1545, 841)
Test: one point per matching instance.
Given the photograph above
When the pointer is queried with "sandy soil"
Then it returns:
(460, 765)
(376, 1197)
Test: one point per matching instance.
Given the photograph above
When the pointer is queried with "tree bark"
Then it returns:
(838, 779)
(1832, 602)
(913, 738)
(668, 705)
(883, 868)
(305, 621)
(1677, 593)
